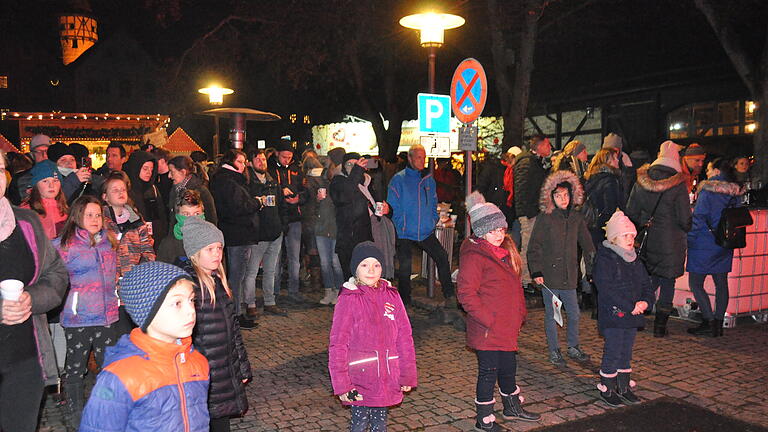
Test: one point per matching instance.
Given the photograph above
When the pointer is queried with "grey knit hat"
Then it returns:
(484, 216)
(144, 288)
(613, 140)
(198, 234)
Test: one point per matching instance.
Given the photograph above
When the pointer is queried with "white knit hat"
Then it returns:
(618, 225)
(669, 155)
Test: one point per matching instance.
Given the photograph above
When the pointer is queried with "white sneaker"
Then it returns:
(328, 297)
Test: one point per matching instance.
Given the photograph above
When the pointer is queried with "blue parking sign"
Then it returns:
(434, 113)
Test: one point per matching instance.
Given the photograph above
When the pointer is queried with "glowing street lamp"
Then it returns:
(216, 94)
(432, 27)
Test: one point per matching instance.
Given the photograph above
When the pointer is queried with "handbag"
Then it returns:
(642, 233)
(731, 232)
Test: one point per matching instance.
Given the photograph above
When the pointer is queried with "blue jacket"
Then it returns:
(149, 385)
(413, 199)
(620, 284)
(92, 300)
(704, 255)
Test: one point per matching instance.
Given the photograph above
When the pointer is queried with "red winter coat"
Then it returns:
(371, 347)
(492, 295)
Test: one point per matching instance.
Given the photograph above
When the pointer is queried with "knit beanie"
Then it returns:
(669, 156)
(143, 289)
(695, 150)
(618, 225)
(43, 170)
(614, 141)
(56, 151)
(284, 145)
(366, 249)
(336, 155)
(350, 156)
(484, 216)
(198, 234)
(39, 140)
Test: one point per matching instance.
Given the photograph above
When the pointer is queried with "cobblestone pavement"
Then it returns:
(291, 389)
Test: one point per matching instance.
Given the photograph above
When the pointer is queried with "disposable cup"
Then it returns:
(11, 289)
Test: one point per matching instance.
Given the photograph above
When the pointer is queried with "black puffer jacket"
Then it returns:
(605, 193)
(146, 195)
(270, 225)
(490, 183)
(289, 177)
(352, 218)
(217, 336)
(529, 175)
(237, 210)
(666, 241)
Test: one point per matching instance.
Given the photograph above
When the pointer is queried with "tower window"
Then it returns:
(3, 81)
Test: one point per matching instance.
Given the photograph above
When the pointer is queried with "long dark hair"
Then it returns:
(36, 202)
(75, 221)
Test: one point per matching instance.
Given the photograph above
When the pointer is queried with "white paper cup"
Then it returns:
(11, 289)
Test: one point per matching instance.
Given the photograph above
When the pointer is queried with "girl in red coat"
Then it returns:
(491, 293)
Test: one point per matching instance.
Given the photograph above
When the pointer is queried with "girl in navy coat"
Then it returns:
(624, 293)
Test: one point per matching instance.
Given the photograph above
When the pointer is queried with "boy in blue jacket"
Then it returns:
(624, 293)
(153, 380)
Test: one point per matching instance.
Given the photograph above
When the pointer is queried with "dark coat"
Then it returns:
(322, 215)
(557, 236)
(490, 292)
(529, 176)
(490, 183)
(666, 239)
(270, 224)
(620, 284)
(704, 255)
(145, 195)
(236, 208)
(196, 184)
(289, 177)
(351, 209)
(217, 336)
(605, 193)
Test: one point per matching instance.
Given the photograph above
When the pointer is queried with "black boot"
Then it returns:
(717, 328)
(75, 394)
(485, 421)
(624, 389)
(607, 389)
(660, 323)
(705, 328)
(513, 409)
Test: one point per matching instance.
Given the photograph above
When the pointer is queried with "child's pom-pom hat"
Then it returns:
(618, 225)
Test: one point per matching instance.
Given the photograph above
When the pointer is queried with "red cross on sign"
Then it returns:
(469, 90)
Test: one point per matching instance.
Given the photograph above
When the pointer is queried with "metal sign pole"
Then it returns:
(468, 184)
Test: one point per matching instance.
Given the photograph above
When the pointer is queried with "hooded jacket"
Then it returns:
(371, 345)
(490, 292)
(605, 193)
(92, 298)
(145, 194)
(705, 256)
(413, 198)
(557, 236)
(149, 385)
(529, 175)
(665, 248)
(237, 210)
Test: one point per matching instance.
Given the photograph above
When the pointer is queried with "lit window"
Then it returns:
(3, 81)
(306, 119)
(293, 118)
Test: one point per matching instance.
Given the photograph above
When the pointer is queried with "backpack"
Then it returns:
(731, 232)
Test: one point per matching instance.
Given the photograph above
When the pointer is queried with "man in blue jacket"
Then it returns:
(413, 198)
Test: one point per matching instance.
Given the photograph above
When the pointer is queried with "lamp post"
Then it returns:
(432, 27)
(216, 97)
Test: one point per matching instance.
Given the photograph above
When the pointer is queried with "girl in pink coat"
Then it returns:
(371, 357)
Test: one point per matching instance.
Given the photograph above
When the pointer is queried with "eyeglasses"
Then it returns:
(498, 231)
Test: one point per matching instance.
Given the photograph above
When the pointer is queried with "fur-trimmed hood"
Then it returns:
(546, 205)
(645, 181)
(718, 185)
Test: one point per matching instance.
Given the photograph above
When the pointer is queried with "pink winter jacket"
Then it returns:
(371, 347)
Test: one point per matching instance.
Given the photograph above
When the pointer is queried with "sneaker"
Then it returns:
(246, 323)
(556, 358)
(577, 354)
(275, 310)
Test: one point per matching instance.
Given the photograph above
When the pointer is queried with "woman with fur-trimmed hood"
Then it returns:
(705, 256)
(662, 183)
(553, 258)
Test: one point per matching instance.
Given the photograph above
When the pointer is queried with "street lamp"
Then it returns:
(432, 27)
(216, 94)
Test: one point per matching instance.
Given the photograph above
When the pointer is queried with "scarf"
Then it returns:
(7, 219)
(509, 184)
(180, 219)
(183, 185)
(627, 255)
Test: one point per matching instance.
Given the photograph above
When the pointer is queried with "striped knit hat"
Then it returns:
(484, 216)
(143, 289)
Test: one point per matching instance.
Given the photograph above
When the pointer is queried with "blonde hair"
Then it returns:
(514, 255)
(600, 160)
(206, 280)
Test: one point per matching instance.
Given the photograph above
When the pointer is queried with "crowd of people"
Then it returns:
(151, 265)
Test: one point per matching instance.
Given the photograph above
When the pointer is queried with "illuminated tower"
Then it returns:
(77, 32)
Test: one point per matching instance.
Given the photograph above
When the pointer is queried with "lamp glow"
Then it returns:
(216, 94)
(432, 26)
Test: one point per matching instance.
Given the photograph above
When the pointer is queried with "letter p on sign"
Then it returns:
(434, 113)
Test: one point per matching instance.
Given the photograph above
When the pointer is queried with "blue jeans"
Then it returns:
(292, 239)
(237, 262)
(492, 367)
(666, 292)
(696, 283)
(268, 252)
(330, 266)
(571, 306)
(617, 350)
